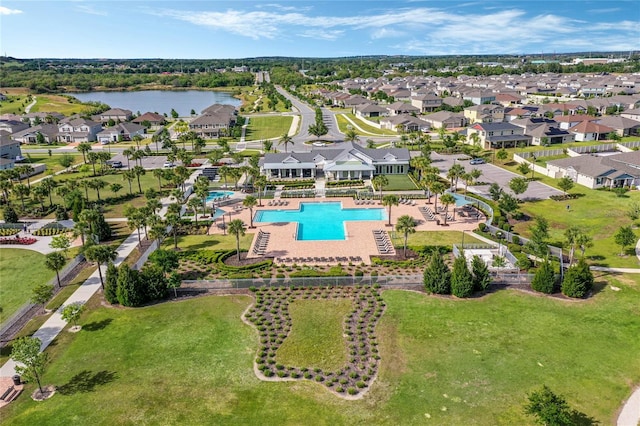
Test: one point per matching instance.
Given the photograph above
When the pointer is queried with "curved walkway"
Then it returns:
(27, 109)
(630, 414)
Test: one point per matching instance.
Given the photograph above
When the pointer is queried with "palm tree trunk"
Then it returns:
(175, 242)
(238, 246)
(139, 187)
(100, 274)
(58, 277)
(50, 199)
(98, 192)
(22, 201)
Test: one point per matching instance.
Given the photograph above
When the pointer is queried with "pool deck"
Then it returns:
(360, 242)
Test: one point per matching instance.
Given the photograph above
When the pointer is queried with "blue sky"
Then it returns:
(239, 29)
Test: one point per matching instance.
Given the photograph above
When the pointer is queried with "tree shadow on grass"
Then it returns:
(86, 381)
(581, 419)
(98, 325)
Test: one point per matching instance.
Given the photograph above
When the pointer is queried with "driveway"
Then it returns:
(491, 174)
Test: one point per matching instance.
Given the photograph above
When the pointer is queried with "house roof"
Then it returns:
(125, 128)
(575, 118)
(117, 112)
(149, 116)
(5, 139)
(590, 127)
(618, 123)
(598, 166)
(497, 126)
(370, 108)
(220, 108)
(402, 106)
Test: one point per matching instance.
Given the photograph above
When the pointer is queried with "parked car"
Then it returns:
(168, 165)
(116, 164)
(477, 161)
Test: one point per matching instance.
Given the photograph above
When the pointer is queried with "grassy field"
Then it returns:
(52, 162)
(260, 128)
(399, 183)
(434, 238)
(316, 337)
(14, 104)
(209, 242)
(57, 103)
(343, 124)
(444, 361)
(20, 271)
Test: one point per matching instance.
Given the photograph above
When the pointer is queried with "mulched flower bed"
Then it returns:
(270, 316)
(21, 241)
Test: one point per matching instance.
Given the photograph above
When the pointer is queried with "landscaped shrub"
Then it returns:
(7, 232)
(20, 241)
(461, 278)
(515, 240)
(437, 277)
(544, 279)
(578, 280)
(482, 227)
(10, 215)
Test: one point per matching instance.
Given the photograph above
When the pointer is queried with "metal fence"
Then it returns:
(24, 309)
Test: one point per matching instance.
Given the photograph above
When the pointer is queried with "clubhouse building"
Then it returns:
(339, 162)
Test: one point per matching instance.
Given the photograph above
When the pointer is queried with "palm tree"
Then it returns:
(27, 171)
(5, 186)
(407, 225)
(115, 187)
(224, 172)
(158, 174)
(154, 205)
(137, 139)
(86, 184)
(49, 184)
(194, 203)
(89, 216)
(134, 220)
(93, 159)
(55, 261)
(84, 147)
(455, 172)
(285, 140)
(390, 200)
(128, 153)
(351, 136)
(380, 181)
(446, 200)
(21, 191)
(437, 188)
(101, 255)
(250, 202)
(260, 183)
(236, 227)
(80, 229)
(138, 156)
(173, 220)
(129, 176)
(138, 171)
(39, 193)
(183, 173)
(97, 184)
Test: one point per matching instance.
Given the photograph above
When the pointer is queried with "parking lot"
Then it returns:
(491, 174)
(149, 163)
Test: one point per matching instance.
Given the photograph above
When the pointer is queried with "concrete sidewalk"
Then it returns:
(55, 324)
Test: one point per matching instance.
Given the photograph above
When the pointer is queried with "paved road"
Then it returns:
(491, 174)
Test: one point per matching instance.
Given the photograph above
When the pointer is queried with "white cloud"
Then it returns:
(84, 8)
(7, 11)
(432, 31)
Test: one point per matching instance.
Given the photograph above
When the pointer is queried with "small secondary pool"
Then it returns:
(214, 195)
(460, 200)
(320, 221)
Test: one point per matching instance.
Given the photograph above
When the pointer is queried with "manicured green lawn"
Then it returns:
(57, 103)
(399, 183)
(14, 104)
(261, 128)
(434, 238)
(316, 337)
(343, 124)
(444, 361)
(52, 162)
(209, 242)
(20, 271)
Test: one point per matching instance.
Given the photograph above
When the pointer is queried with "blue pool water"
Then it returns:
(320, 221)
(460, 200)
(214, 195)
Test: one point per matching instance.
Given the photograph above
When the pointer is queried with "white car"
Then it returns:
(168, 165)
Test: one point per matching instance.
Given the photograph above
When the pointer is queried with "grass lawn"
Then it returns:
(261, 128)
(443, 360)
(316, 337)
(399, 183)
(370, 130)
(209, 242)
(57, 103)
(52, 162)
(14, 104)
(20, 271)
(434, 238)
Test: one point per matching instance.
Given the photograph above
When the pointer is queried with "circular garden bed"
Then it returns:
(270, 316)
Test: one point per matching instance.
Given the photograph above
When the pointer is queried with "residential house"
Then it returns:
(498, 135)
(590, 131)
(479, 97)
(595, 171)
(215, 121)
(9, 150)
(404, 123)
(43, 117)
(151, 117)
(355, 100)
(116, 114)
(120, 132)
(344, 161)
(568, 121)
(13, 126)
(398, 108)
(633, 114)
(484, 113)
(511, 114)
(48, 131)
(549, 133)
(426, 103)
(453, 102)
(78, 130)
(623, 126)
(508, 99)
(446, 119)
(370, 110)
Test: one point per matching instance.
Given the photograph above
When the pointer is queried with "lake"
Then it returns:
(160, 101)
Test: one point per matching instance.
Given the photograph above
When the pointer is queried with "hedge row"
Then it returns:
(217, 258)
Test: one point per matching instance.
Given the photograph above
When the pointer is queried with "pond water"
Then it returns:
(160, 101)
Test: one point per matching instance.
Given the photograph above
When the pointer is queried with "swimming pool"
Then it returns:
(320, 221)
(214, 195)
